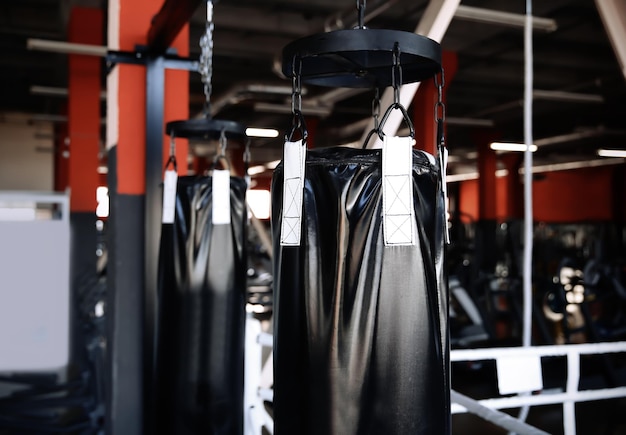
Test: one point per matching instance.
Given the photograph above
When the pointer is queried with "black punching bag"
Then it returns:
(360, 333)
(202, 287)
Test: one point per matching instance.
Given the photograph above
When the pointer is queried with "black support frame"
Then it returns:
(133, 301)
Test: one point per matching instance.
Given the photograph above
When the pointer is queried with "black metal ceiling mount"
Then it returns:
(361, 57)
(206, 129)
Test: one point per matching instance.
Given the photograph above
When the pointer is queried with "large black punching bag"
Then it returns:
(202, 286)
(360, 333)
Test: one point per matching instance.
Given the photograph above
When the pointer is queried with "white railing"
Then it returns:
(568, 398)
(259, 378)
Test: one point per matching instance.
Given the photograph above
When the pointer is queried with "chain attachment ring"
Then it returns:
(376, 107)
(396, 74)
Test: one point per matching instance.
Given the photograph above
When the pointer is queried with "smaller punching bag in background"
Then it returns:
(202, 287)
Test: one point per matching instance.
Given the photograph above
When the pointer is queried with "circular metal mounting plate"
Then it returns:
(362, 58)
(206, 129)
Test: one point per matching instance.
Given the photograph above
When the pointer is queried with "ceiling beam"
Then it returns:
(168, 22)
(613, 15)
(508, 19)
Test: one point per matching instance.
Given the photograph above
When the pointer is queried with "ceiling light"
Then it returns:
(611, 153)
(503, 146)
(261, 132)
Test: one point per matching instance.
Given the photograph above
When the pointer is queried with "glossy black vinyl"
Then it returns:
(202, 287)
(360, 332)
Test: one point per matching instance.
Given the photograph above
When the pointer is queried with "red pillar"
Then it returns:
(487, 165)
(486, 255)
(311, 126)
(424, 105)
(86, 27)
(514, 187)
(200, 165)
(134, 21)
(131, 235)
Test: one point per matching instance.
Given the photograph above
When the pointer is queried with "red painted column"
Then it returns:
(514, 187)
(132, 300)
(424, 105)
(485, 252)
(134, 21)
(487, 165)
(311, 126)
(200, 165)
(85, 27)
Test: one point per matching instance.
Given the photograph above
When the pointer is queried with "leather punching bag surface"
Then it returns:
(360, 332)
(202, 287)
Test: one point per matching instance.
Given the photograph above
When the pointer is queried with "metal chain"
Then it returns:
(396, 75)
(360, 6)
(172, 144)
(376, 107)
(440, 107)
(296, 85)
(223, 143)
(206, 57)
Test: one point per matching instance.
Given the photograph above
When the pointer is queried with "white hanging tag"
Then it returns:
(294, 158)
(519, 374)
(398, 213)
(221, 197)
(444, 187)
(169, 196)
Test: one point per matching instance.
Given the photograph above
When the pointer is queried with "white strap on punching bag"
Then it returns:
(294, 159)
(169, 196)
(398, 212)
(220, 180)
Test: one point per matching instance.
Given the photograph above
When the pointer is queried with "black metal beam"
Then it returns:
(168, 22)
(141, 56)
(155, 99)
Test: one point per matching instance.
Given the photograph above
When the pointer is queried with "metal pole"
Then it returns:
(528, 186)
(155, 88)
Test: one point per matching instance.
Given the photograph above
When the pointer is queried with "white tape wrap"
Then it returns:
(221, 197)
(294, 158)
(169, 196)
(398, 213)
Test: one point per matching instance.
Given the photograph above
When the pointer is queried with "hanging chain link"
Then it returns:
(296, 85)
(206, 57)
(223, 143)
(360, 6)
(376, 107)
(396, 75)
(440, 107)
(172, 144)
